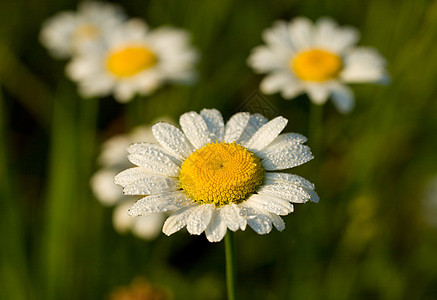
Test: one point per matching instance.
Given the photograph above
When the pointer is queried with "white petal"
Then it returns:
(195, 129)
(255, 123)
(277, 221)
(288, 191)
(216, 229)
(278, 35)
(260, 223)
(301, 33)
(159, 203)
(290, 138)
(330, 36)
(172, 139)
(266, 134)
(153, 158)
(343, 98)
(199, 218)
(363, 65)
(318, 93)
(262, 217)
(128, 176)
(152, 184)
(275, 82)
(235, 126)
(124, 91)
(290, 178)
(272, 204)
(120, 219)
(285, 152)
(231, 216)
(177, 220)
(265, 59)
(214, 120)
(103, 187)
(148, 227)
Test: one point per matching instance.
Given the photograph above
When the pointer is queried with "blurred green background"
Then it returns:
(366, 239)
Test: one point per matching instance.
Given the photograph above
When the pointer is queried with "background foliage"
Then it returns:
(367, 238)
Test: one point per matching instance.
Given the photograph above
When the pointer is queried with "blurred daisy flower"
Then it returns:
(317, 59)
(113, 159)
(140, 289)
(134, 60)
(66, 33)
(213, 176)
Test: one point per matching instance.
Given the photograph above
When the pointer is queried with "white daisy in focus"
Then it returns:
(69, 32)
(213, 176)
(317, 59)
(135, 60)
(113, 159)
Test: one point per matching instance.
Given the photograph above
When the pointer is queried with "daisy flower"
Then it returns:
(317, 59)
(211, 176)
(66, 33)
(134, 60)
(113, 159)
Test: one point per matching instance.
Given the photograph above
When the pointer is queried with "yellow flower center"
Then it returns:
(221, 173)
(316, 65)
(129, 61)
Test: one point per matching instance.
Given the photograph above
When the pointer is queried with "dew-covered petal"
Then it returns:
(216, 229)
(272, 204)
(266, 134)
(159, 203)
(235, 126)
(199, 218)
(177, 220)
(214, 120)
(151, 184)
(172, 139)
(290, 178)
(195, 128)
(285, 152)
(128, 176)
(262, 218)
(231, 216)
(255, 123)
(276, 221)
(288, 191)
(260, 223)
(152, 158)
(290, 138)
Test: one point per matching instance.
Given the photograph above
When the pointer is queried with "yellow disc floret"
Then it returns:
(221, 173)
(129, 61)
(316, 65)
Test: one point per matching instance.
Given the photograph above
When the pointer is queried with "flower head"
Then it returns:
(134, 60)
(317, 59)
(68, 33)
(213, 176)
(113, 159)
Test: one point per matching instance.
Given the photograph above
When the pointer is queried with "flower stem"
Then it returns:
(231, 272)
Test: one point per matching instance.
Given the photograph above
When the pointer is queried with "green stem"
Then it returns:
(315, 128)
(231, 272)
(57, 239)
